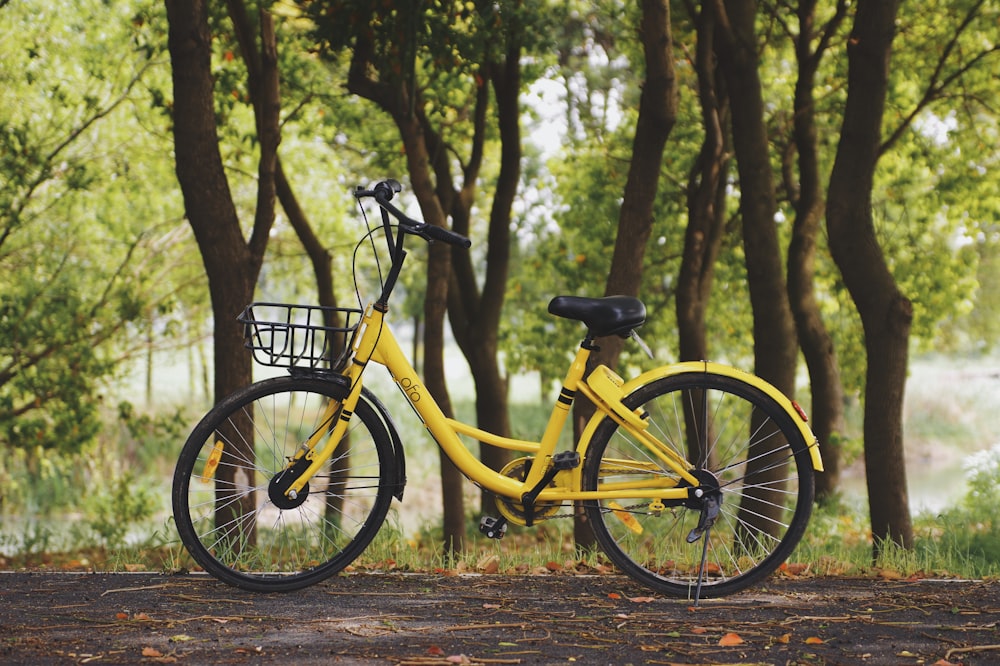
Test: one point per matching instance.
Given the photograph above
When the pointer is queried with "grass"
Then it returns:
(938, 553)
(941, 550)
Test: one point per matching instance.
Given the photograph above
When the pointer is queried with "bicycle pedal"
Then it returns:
(566, 460)
(494, 528)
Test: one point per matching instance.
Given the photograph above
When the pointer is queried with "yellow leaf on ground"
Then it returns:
(814, 640)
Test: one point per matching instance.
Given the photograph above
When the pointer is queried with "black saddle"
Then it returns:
(611, 315)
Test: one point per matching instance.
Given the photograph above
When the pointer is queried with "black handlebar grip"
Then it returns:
(445, 236)
(386, 189)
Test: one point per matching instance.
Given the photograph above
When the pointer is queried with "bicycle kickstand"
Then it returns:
(709, 512)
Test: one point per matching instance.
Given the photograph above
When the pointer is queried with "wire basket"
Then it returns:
(303, 336)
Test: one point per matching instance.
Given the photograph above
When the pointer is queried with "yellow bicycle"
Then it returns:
(696, 478)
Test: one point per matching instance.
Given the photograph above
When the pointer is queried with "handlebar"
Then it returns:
(383, 192)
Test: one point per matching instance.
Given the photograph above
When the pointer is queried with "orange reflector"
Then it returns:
(213, 461)
(625, 517)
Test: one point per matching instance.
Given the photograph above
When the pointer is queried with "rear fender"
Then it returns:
(812, 444)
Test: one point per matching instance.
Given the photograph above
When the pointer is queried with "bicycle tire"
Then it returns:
(262, 546)
(752, 452)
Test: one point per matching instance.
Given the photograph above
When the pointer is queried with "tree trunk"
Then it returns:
(886, 314)
(705, 201)
(657, 115)
(706, 193)
(435, 308)
(806, 193)
(395, 99)
(318, 254)
(475, 316)
(232, 265)
(775, 343)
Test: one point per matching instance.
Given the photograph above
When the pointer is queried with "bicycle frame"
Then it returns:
(375, 342)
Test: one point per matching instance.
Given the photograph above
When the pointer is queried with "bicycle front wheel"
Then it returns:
(747, 453)
(229, 504)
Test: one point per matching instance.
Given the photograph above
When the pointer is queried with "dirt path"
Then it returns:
(62, 618)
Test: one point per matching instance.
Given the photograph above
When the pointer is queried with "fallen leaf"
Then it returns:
(698, 630)
(783, 639)
(614, 595)
(121, 616)
(181, 638)
(435, 651)
(151, 652)
(906, 653)
(794, 568)
(730, 639)
(814, 640)
(489, 564)
(642, 600)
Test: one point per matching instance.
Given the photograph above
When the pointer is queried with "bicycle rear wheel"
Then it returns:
(753, 462)
(228, 500)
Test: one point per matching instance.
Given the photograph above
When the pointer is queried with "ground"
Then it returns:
(419, 619)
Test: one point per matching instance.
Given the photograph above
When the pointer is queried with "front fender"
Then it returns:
(342, 389)
(708, 367)
(397, 444)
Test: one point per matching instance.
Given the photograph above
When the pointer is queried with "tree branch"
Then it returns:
(938, 82)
